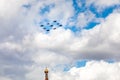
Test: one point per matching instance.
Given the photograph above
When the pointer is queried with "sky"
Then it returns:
(85, 47)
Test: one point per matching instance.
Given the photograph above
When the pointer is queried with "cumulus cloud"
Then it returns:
(84, 18)
(25, 49)
(97, 71)
(101, 37)
(102, 4)
(3, 78)
(17, 47)
(61, 12)
(101, 42)
(94, 70)
(95, 43)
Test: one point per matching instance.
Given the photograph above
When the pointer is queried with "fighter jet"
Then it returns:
(41, 25)
(51, 25)
(44, 28)
(54, 21)
(54, 28)
(48, 26)
(48, 30)
(60, 25)
(48, 23)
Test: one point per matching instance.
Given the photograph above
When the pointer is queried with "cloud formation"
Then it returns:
(25, 48)
(101, 4)
(96, 71)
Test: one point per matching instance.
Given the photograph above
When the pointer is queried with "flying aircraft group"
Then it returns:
(48, 26)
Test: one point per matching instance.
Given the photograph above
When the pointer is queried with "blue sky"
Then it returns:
(77, 10)
(73, 38)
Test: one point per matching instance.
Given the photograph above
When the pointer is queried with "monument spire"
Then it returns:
(46, 73)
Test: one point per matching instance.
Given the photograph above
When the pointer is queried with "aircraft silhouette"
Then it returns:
(54, 21)
(41, 25)
(49, 26)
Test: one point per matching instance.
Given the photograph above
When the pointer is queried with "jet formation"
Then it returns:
(48, 26)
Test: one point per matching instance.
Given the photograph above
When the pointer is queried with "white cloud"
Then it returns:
(97, 71)
(4, 78)
(91, 44)
(24, 47)
(50, 58)
(84, 18)
(10, 46)
(62, 10)
(104, 38)
(101, 42)
(102, 4)
(94, 70)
